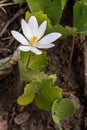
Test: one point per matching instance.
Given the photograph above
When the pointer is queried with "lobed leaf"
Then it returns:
(62, 109)
(48, 95)
(65, 31)
(37, 62)
(79, 16)
(45, 94)
(39, 15)
(29, 93)
(30, 75)
(53, 8)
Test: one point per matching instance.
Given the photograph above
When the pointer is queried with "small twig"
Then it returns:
(71, 53)
(3, 1)
(6, 38)
(3, 9)
(85, 67)
(83, 40)
(20, 12)
(6, 4)
(12, 39)
(3, 4)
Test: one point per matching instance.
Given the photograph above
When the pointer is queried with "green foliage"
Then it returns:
(39, 15)
(62, 109)
(65, 31)
(39, 86)
(53, 9)
(30, 75)
(80, 19)
(29, 93)
(45, 93)
(37, 62)
(48, 95)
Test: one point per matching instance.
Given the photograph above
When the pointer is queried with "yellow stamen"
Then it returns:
(34, 40)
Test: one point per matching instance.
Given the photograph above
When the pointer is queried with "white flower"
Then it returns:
(32, 39)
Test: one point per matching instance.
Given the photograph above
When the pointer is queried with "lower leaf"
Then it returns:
(62, 109)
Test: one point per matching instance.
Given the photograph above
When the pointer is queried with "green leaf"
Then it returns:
(29, 93)
(53, 77)
(24, 57)
(84, 1)
(80, 19)
(62, 109)
(83, 33)
(48, 95)
(39, 15)
(65, 31)
(36, 66)
(30, 90)
(45, 94)
(37, 62)
(53, 8)
(30, 75)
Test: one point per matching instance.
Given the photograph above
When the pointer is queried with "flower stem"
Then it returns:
(60, 127)
(30, 55)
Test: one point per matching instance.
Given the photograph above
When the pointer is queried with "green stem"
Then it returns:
(30, 55)
(60, 127)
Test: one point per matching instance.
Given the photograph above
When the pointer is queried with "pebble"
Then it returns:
(76, 102)
(3, 124)
(21, 118)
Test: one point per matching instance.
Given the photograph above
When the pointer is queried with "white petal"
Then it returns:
(41, 30)
(25, 28)
(49, 38)
(24, 48)
(33, 24)
(20, 38)
(45, 46)
(35, 50)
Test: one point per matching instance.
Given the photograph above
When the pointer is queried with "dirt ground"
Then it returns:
(70, 77)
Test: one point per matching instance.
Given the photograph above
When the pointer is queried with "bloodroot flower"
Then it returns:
(32, 39)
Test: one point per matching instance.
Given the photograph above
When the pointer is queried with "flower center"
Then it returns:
(34, 40)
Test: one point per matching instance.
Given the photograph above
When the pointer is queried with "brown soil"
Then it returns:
(69, 78)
